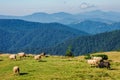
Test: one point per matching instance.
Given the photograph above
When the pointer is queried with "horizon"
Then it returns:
(26, 7)
(55, 13)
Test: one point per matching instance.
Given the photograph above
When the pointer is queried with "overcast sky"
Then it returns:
(24, 7)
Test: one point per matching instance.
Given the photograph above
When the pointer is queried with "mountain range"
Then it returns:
(53, 38)
(95, 27)
(67, 18)
(53, 33)
(16, 35)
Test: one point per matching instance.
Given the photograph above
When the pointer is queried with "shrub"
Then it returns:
(104, 57)
(87, 56)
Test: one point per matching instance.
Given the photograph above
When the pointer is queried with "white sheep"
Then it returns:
(12, 56)
(92, 62)
(16, 70)
(22, 54)
(97, 58)
(37, 57)
(43, 54)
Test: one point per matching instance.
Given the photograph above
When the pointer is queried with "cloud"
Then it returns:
(86, 6)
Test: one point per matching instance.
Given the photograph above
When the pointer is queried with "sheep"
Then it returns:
(12, 56)
(37, 57)
(92, 62)
(16, 70)
(97, 58)
(43, 54)
(22, 54)
(103, 64)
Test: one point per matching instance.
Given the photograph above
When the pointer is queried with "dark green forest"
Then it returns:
(107, 41)
(18, 35)
(53, 38)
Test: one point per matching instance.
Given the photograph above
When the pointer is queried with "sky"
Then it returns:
(25, 7)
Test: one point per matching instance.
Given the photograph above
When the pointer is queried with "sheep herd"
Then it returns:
(16, 69)
(99, 62)
(22, 54)
(94, 61)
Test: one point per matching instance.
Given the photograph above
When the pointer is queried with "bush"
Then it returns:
(104, 57)
(87, 56)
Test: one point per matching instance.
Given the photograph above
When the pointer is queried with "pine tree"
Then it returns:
(69, 52)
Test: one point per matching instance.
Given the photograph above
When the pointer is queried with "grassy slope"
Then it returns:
(59, 68)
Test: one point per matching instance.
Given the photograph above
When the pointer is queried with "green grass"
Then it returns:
(58, 68)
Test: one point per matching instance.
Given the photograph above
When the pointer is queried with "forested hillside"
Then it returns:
(17, 35)
(53, 38)
(83, 45)
(95, 27)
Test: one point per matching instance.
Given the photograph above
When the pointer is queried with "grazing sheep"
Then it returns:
(12, 56)
(43, 54)
(92, 62)
(97, 58)
(16, 70)
(37, 57)
(103, 64)
(22, 54)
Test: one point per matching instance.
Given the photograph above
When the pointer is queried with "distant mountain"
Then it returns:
(62, 14)
(94, 27)
(66, 18)
(61, 17)
(98, 14)
(18, 35)
(9, 17)
(107, 41)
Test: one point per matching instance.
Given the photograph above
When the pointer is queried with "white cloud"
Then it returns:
(86, 6)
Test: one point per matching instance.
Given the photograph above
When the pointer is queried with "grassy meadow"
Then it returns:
(59, 68)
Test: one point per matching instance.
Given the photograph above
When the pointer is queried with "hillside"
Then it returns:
(112, 55)
(58, 68)
(83, 45)
(95, 27)
(17, 35)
